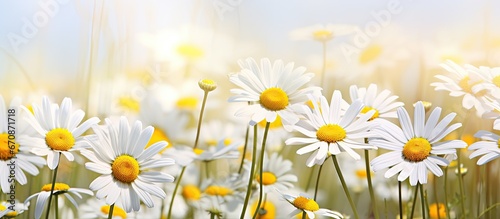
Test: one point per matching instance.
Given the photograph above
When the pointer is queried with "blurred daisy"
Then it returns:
(119, 154)
(98, 209)
(276, 173)
(329, 132)
(57, 130)
(221, 151)
(225, 194)
(14, 157)
(59, 188)
(303, 203)
(10, 210)
(382, 102)
(322, 33)
(488, 147)
(416, 148)
(275, 88)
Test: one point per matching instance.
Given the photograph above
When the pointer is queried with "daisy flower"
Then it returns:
(126, 167)
(221, 151)
(416, 148)
(275, 88)
(322, 33)
(382, 102)
(329, 131)
(12, 210)
(276, 173)
(225, 194)
(59, 188)
(488, 147)
(14, 157)
(303, 203)
(58, 130)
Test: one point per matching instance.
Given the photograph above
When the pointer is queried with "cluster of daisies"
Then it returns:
(221, 175)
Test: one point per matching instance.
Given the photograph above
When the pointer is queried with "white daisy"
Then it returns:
(57, 130)
(12, 208)
(303, 203)
(225, 194)
(119, 155)
(329, 132)
(321, 32)
(488, 147)
(14, 157)
(276, 173)
(414, 149)
(275, 88)
(221, 151)
(382, 102)
(59, 188)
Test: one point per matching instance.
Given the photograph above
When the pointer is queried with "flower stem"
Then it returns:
(200, 119)
(111, 208)
(169, 214)
(446, 193)
(252, 169)
(244, 150)
(261, 168)
(304, 215)
(369, 179)
(317, 181)
(414, 201)
(344, 186)
(422, 199)
(56, 206)
(461, 184)
(400, 201)
(52, 188)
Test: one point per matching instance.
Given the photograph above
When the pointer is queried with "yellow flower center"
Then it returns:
(331, 133)
(198, 151)
(213, 142)
(417, 149)
(191, 192)
(60, 139)
(469, 139)
(274, 99)
(125, 168)
(361, 173)
(7, 151)
(187, 103)
(436, 213)
(322, 35)
(10, 214)
(268, 178)
(274, 125)
(129, 103)
(466, 85)
(496, 81)
(305, 204)
(218, 191)
(267, 210)
(57, 187)
(367, 109)
(190, 51)
(159, 135)
(117, 211)
(370, 53)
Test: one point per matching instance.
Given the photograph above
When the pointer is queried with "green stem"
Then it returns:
(461, 184)
(56, 206)
(304, 215)
(317, 181)
(309, 179)
(252, 169)
(212, 215)
(261, 168)
(244, 150)
(414, 201)
(434, 190)
(344, 186)
(400, 200)
(422, 199)
(448, 216)
(52, 188)
(369, 179)
(488, 209)
(169, 214)
(111, 208)
(207, 169)
(205, 95)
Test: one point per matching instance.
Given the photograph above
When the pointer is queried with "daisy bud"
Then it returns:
(207, 85)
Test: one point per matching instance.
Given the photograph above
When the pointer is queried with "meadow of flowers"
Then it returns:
(196, 122)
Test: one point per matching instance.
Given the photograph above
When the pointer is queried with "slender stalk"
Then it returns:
(386, 211)
(56, 206)
(212, 215)
(261, 168)
(414, 201)
(309, 179)
(52, 188)
(461, 184)
(400, 200)
(207, 169)
(244, 150)
(200, 119)
(252, 169)
(369, 179)
(434, 190)
(317, 181)
(344, 186)
(448, 216)
(422, 199)
(169, 214)
(488, 209)
(111, 208)
(304, 215)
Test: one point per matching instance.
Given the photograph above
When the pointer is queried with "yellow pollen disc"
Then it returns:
(322, 35)
(367, 109)
(198, 151)
(60, 139)
(465, 84)
(274, 125)
(125, 168)
(11, 214)
(218, 190)
(496, 81)
(330, 133)
(370, 53)
(191, 192)
(361, 173)
(417, 149)
(267, 210)
(7, 150)
(129, 103)
(305, 204)
(268, 178)
(190, 51)
(274, 99)
(159, 135)
(187, 103)
(469, 139)
(434, 213)
(57, 187)
(117, 211)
